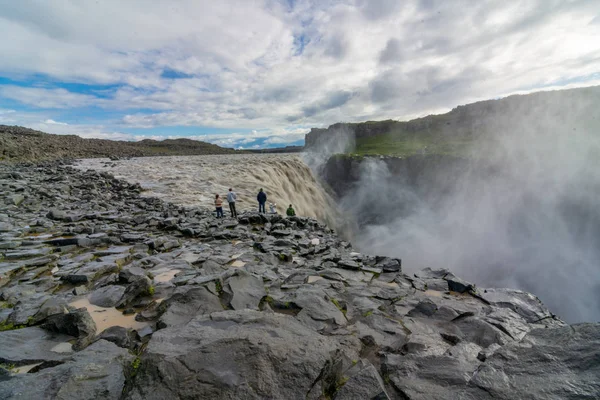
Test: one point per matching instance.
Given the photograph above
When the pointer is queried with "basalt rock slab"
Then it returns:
(97, 372)
(30, 345)
(239, 354)
(107, 296)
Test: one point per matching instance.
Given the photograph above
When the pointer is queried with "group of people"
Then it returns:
(261, 198)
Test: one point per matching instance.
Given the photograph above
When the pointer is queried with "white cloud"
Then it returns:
(266, 65)
(47, 98)
(51, 121)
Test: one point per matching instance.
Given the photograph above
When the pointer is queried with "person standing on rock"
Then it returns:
(219, 206)
(262, 199)
(290, 211)
(231, 198)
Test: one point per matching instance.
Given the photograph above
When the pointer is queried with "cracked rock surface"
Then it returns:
(108, 294)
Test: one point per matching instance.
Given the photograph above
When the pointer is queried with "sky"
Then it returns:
(249, 74)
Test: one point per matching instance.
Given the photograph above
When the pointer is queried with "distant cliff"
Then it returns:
(23, 144)
(453, 133)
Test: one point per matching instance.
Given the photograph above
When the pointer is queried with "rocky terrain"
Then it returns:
(106, 294)
(23, 144)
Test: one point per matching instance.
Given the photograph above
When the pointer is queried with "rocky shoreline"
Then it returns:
(108, 294)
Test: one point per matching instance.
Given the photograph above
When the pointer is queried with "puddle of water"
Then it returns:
(433, 293)
(106, 317)
(236, 256)
(238, 264)
(23, 369)
(166, 276)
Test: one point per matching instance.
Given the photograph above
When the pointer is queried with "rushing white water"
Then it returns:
(194, 180)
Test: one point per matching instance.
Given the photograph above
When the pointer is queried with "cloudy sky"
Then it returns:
(262, 73)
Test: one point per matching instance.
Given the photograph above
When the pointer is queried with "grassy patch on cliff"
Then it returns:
(404, 145)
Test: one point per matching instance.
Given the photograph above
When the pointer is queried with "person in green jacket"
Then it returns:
(290, 211)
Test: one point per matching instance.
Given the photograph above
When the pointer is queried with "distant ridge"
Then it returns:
(23, 144)
(452, 132)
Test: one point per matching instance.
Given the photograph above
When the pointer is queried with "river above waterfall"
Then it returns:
(193, 181)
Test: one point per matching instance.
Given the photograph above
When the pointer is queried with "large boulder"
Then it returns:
(237, 354)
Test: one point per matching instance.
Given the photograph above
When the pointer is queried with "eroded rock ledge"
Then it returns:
(106, 294)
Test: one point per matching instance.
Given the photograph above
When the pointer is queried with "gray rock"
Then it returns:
(30, 253)
(77, 323)
(458, 285)
(428, 273)
(547, 364)
(525, 304)
(238, 354)
(118, 335)
(348, 264)
(480, 332)
(363, 384)
(80, 290)
(98, 372)
(425, 308)
(389, 264)
(186, 304)
(51, 307)
(13, 244)
(246, 291)
(56, 214)
(17, 199)
(107, 296)
(30, 345)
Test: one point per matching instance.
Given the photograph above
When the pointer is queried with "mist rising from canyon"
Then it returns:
(520, 211)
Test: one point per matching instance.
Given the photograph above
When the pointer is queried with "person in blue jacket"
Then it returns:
(262, 199)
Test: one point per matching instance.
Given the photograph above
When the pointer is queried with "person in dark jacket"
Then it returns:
(290, 211)
(262, 199)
